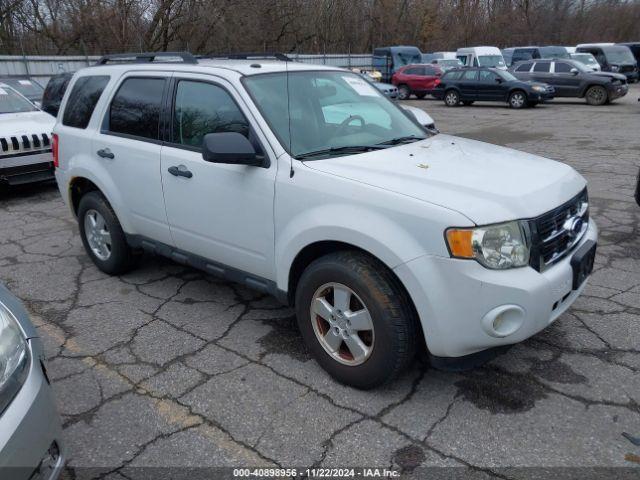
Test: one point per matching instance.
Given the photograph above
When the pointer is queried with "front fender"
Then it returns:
(352, 224)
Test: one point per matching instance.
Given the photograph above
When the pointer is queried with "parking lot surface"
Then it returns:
(167, 366)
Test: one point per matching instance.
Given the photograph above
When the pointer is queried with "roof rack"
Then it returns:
(249, 56)
(147, 57)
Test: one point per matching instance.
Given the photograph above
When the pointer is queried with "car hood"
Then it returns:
(618, 76)
(484, 182)
(26, 123)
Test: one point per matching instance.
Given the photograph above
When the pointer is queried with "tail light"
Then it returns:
(436, 82)
(54, 149)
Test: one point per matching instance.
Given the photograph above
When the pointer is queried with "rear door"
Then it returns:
(128, 148)
(414, 77)
(541, 72)
(468, 85)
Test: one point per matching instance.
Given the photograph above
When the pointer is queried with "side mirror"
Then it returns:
(574, 71)
(230, 147)
(498, 80)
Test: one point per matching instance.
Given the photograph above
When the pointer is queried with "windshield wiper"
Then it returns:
(405, 139)
(338, 150)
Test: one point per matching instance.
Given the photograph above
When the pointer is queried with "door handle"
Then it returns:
(105, 153)
(180, 171)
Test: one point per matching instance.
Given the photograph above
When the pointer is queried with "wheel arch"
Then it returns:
(583, 93)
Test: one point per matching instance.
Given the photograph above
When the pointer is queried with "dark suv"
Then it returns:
(468, 85)
(572, 79)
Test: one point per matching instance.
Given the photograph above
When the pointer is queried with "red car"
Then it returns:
(418, 80)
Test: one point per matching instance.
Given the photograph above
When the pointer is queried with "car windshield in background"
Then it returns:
(585, 58)
(619, 55)
(12, 102)
(506, 75)
(330, 113)
(28, 88)
(547, 52)
(407, 58)
(491, 61)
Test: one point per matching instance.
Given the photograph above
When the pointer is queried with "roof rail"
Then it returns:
(249, 56)
(147, 57)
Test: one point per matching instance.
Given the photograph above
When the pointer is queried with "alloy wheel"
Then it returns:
(342, 324)
(517, 100)
(97, 234)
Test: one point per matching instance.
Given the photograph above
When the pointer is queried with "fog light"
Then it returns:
(503, 321)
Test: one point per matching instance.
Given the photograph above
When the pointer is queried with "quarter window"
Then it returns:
(82, 100)
(135, 109)
(202, 108)
(541, 67)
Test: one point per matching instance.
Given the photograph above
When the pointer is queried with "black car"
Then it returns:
(468, 85)
(25, 86)
(638, 189)
(572, 79)
(54, 92)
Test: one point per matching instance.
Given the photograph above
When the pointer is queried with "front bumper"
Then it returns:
(22, 168)
(30, 430)
(618, 91)
(455, 297)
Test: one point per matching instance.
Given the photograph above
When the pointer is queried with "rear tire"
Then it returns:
(596, 95)
(451, 98)
(403, 92)
(102, 235)
(386, 337)
(518, 99)
(420, 96)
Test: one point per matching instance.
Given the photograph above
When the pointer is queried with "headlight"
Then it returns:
(614, 68)
(497, 246)
(538, 88)
(14, 357)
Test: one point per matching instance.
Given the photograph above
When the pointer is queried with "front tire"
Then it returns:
(355, 319)
(451, 98)
(596, 95)
(467, 103)
(518, 99)
(102, 235)
(403, 92)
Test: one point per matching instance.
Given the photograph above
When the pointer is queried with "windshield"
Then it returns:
(506, 75)
(491, 61)
(12, 102)
(406, 58)
(28, 88)
(328, 110)
(619, 55)
(585, 58)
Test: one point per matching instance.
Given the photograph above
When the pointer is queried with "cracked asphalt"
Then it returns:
(169, 367)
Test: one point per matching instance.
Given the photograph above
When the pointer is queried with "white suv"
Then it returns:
(305, 182)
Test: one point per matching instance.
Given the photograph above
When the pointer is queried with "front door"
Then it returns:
(567, 84)
(468, 85)
(490, 86)
(221, 212)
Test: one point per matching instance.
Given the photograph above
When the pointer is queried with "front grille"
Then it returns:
(24, 143)
(555, 233)
(627, 68)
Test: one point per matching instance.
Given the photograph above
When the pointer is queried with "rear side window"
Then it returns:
(82, 100)
(135, 108)
(541, 67)
(525, 67)
(450, 76)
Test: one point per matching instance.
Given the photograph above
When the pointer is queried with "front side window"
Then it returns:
(314, 111)
(201, 108)
(541, 67)
(82, 100)
(135, 108)
(562, 67)
(12, 102)
(487, 76)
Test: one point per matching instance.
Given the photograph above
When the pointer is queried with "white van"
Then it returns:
(446, 55)
(481, 57)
